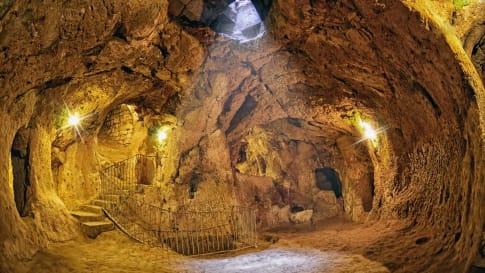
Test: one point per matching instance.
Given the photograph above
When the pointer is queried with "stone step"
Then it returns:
(104, 204)
(85, 216)
(94, 228)
(92, 208)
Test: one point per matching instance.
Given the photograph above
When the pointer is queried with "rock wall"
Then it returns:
(46, 219)
(76, 176)
(328, 64)
(249, 123)
(119, 125)
(85, 57)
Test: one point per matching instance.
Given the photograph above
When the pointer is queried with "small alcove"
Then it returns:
(20, 170)
(327, 179)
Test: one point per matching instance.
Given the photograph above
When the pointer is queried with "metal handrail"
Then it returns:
(128, 159)
(187, 231)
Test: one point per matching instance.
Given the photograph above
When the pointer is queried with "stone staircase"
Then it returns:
(92, 219)
(96, 217)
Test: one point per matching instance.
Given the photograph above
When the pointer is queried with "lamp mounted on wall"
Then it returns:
(162, 134)
(73, 120)
(368, 132)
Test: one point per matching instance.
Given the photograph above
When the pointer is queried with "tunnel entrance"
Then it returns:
(327, 179)
(20, 171)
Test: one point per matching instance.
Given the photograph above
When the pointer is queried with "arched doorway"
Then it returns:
(20, 170)
(328, 179)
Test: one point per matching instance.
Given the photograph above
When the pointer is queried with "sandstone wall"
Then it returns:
(77, 56)
(254, 119)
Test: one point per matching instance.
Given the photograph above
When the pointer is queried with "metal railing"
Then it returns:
(139, 169)
(195, 228)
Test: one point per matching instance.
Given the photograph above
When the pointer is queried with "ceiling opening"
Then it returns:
(240, 21)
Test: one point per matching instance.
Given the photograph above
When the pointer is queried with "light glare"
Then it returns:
(369, 132)
(162, 135)
(73, 120)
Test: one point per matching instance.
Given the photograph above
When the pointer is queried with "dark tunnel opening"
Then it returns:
(328, 179)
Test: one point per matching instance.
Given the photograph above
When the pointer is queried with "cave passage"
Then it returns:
(318, 136)
(328, 179)
(20, 170)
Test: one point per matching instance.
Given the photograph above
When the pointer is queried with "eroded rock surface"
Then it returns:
(248, 123)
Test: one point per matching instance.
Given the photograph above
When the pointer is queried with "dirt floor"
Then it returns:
(334, 247)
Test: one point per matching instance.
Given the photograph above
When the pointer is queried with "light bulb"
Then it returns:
(162, 135)
(369, 132)
(73, 120)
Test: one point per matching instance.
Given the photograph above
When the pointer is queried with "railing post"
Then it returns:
(189, 231)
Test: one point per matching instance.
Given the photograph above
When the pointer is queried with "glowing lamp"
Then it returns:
(369, 132)
(162, 135)
(73, 120)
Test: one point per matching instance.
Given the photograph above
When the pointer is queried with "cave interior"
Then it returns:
(295, 135)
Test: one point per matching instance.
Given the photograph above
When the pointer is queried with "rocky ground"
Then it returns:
(334, 247)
